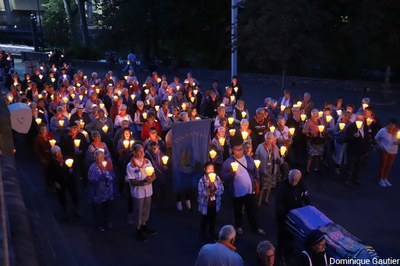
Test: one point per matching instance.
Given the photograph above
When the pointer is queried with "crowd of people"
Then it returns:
(113, 133)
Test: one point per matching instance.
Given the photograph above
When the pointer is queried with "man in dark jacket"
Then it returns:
(358, 147)
(314, 253)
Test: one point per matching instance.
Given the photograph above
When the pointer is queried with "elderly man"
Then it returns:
(265, 253)
(292, 194)
(241, 183)
(221, 253)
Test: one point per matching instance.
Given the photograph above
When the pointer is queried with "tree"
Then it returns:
(55, 24)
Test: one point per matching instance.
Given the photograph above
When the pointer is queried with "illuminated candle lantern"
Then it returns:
(73, 96)
(61, 123)
(231, 120)
(144, 115)
(283, 107)
(53, 79)
(81, 123)
(69, 162)
(146, 91)
(105, 128)
(80, 97)
(320, 114)
(110, 85)
(101, 149)
(165, 159)
(192, 99)
(77, 142)
(364, 105)
(101, 105)
(212, 177)
(85, 133)
(40, 76)
(126, 144)
(131, 142)
(339, 112)
(194, 84)
(245, 134)
(235, 166)
(299, 103)
(398, 134)
(232, 98)
(178, 87)
(212, 154)
(65, 99)
(52, 142)
(104, 163)
(169, 98)
(257, 163)
(359, 124)
(55, 69)
(119, 93)
(40, 96)
(291, 131)
(183, 106)
(78, 84)
(369, 121)
(52, 97)
(64, 76)
(197, 118)
(149, 170)
(97, 90)
(341, 125)
(282, 150)
(10, 97)
(244, 114)
(303, 117)
(133, 97)
(321, 128)
(38, 120)
(221, 141)
(157, 107)
(236, 89)
(144, 85)
(328, 118)
(223, 105)
(126, 77)
(115, 97)
(195, 91)
(148, 102)
(272, 129)
(232, 132)
(85, 77)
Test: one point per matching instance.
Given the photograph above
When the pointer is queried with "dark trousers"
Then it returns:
(249, 203)
(101, 213)
(355, 164)
(70, 188)
(208, 220)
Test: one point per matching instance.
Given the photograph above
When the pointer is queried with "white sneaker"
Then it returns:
(382, 183)
(387, 183)
(188, 204)
(179, 206)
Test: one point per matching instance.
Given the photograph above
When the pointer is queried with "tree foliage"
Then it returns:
(55, 24)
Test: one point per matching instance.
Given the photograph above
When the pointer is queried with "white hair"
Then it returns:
(227, 232)
(293, 173)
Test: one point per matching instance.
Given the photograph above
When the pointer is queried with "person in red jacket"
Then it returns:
(151, 122)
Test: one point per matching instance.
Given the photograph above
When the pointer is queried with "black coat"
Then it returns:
(357, 145)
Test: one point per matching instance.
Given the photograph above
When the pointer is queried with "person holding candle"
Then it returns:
(388, 139)
(271, 162)
(273, 110)
(163, 117)
(307, 105)
(240, 174)
(81, 116)
(102, 189)
(315, 133)
(151, 122)
(240, 112)
(138, 118)
(96, 144)
(122, 115)
(298, 147)
(63, 179)
(339, 134)
(357, 139)
(259, 124)
(211, 104)
(281, 133)
(59, 124)
(140, 178)
(244, 134)
(210, 189)
(221, 144)
(373, 124)
(154, 137)
(229, 99)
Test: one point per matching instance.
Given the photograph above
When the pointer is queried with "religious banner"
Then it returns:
(190, 142)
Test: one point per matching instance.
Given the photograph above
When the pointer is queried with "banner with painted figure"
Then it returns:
(190, 142)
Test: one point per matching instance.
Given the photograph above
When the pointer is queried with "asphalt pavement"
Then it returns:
(367, 211)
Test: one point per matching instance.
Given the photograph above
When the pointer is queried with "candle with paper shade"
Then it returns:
(81, 123)
(157, 107)
(272, 129)
(80, 97)
(73, 96)
(144, 115)
(133, 97)
(232, 132)
(245, 134)
(212, 154)
(321, 128)
(158, 80)
(299, 103)
(221, 141)
(244, 114)
(178, 87)
(232, 98)
(291, 131)
(169, 98)
(69, 162)
(101, 105)
(104, 163)
(282, 150)
(398, 135)
(364, 105)
(339, 112)
(40, 96)
(126, 144)
(283, 107)
(195, 91)
(230, 120)
(61, 123)
(38, 120)
(52, 142)
(369, 121)
(131, 142)
(77, 142)
(236, 89)
(257, 163)
(105, 128)
(341, 125)
(192, 99)
(328, 118)
(97, 90)
(183, 106)
(303, 117)
(85, 133)
(149, 170)
(235, 166)
(320, 114)
(359, 124)
(65, 99)
(212, 177)
(146, 91)
(165, 159)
